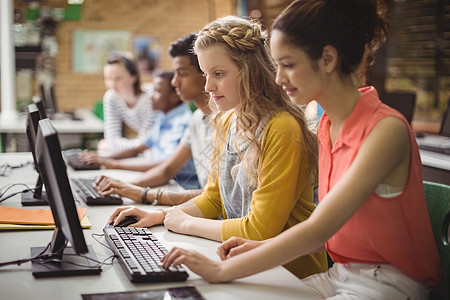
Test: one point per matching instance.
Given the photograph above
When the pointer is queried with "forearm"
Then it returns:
(205, 228)
(176, 198)
(170, 198)
(161, 172)
(132, 152)
(188, 219)
(140, 165)
(276, 251)
(155, 175)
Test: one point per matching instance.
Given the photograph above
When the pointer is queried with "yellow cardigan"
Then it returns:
(283, 197)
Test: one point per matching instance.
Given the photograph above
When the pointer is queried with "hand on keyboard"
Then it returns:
(72, 158)
(139, 253)
(84, 188)
(92, 157)
(106, 185)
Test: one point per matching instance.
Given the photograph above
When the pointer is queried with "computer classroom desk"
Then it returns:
(70, 131)
(17, 282)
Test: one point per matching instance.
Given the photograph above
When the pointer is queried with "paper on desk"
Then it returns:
(21, 216)
(85, 223)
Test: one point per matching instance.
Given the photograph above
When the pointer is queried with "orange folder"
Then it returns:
(11, 215)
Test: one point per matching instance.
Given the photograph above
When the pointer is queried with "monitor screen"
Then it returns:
(66, 260)
(48, 99)
(405, 103)
(445, 124)
(36, 196)
(40, 106)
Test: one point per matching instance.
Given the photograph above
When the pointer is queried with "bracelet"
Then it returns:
(164, 211)
(144, 195)
(157, 197)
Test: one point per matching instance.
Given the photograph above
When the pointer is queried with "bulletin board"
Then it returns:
(91, 48)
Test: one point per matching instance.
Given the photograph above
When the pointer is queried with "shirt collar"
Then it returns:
(175, 112)
(351, 133)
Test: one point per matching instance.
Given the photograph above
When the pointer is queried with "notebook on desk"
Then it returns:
(438, 143)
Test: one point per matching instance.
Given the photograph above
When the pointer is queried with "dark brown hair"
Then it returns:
(351, 26)
(168, 76)
(131, 68)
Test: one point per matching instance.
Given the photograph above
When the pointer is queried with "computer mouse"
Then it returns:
(127, 221)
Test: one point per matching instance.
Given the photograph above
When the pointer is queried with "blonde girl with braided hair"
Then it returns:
(264, 162)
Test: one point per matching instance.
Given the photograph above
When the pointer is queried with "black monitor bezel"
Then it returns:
(78, 258)
(445, 123)
(36, 196)
(40, 106)
(53, 171)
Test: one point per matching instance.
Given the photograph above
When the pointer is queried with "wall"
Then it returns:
(166, 19)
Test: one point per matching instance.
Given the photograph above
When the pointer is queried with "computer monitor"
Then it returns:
(403, 102)
(78, 258)
(48, 99)
(445, 124)
(40, 106)
(36, 197)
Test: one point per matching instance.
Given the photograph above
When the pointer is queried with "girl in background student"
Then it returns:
(372, 216)
(125, 105)
(265, 159)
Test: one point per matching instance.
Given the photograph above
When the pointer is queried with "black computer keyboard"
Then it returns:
(441, 150)
(72, 159)
(139, 253)
(84, 189)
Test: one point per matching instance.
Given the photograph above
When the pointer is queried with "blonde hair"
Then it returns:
(245, 42)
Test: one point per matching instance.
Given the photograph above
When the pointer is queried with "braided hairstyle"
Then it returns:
(245, 43)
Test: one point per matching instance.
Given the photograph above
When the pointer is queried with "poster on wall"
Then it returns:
(148, 52)
(91, 48)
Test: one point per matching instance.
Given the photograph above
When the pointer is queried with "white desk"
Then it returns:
(17, 282)
(69, 131)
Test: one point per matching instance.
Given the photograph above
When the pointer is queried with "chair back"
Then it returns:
(437, 197)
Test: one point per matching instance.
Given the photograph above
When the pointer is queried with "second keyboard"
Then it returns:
(84, 188)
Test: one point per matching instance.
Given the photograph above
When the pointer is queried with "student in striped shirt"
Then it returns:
(126, 105)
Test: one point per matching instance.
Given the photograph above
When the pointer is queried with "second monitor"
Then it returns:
(36, 196)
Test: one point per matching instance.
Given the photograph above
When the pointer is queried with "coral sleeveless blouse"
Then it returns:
(394, 230)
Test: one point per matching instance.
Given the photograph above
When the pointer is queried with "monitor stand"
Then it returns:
(38, 197)
(29, 199)
(72, 264)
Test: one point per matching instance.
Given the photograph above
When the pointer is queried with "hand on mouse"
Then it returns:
(144, 218)
(128, 220)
